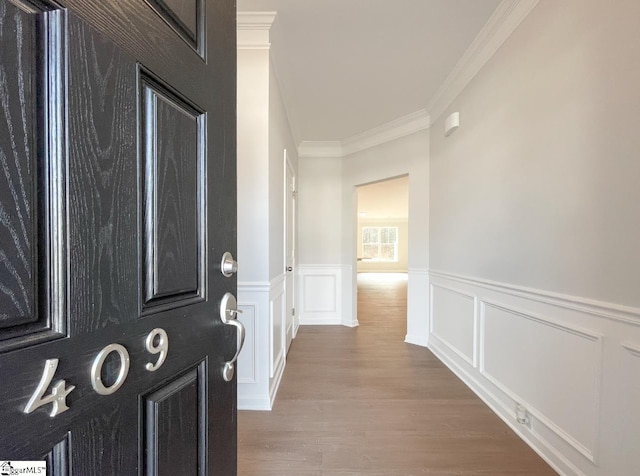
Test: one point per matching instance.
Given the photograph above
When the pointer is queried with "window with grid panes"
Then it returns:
(380, 243)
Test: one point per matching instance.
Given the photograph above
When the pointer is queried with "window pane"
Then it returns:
(370, 251)
(388, 252)
(384, 235)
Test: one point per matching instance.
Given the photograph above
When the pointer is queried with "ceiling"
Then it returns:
(387, 199)
(347, 66)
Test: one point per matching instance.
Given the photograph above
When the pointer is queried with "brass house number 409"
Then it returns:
(157, 342)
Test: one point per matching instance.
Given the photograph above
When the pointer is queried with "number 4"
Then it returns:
(58, 395)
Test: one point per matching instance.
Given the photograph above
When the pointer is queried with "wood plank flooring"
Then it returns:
(362, 402)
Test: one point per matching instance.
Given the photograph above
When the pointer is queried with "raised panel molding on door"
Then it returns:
(186, 17)
(176, 425)
(58, 458)
(31, 187)
(173, 190)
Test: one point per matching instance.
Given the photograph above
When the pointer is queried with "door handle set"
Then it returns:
(228, 315)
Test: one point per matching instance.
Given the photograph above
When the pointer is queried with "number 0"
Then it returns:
(96, 369)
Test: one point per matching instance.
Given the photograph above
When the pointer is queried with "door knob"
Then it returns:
(228, 265)
(228, 313)
(289, 268)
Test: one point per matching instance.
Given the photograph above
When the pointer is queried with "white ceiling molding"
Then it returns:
(253, 30)
(503, 22)
(320, 149)
(405, 125)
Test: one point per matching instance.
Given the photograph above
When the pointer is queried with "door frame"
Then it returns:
(289, 168)
(353, 216)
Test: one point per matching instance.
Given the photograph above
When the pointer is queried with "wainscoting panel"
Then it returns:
(247, 357)
(453, 321)
(320, 298)
(562, 371)
(278, 325)
(545, 355)
(262, 360)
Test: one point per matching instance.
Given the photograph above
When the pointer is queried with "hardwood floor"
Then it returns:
(362, 402)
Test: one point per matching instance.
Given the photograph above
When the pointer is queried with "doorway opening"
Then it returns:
(382, 244)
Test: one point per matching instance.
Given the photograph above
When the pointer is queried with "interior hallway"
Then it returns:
(362, 402)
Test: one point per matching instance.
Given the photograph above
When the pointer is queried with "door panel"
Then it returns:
(175, 425)
(117, 201)
(31, 285)
(18, 149)
(173, 137)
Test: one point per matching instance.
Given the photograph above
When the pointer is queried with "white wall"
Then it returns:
(539, 186)
(319, 202)
(253, 165)
(263, 135)
(535, 231)
(280, 138)
(328, 229)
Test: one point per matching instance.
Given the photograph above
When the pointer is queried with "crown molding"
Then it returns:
(403, 126)
(499, 27)
(255, 20)
(320, 149)
(252, 30)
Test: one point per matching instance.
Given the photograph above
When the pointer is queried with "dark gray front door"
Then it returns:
(117, 202)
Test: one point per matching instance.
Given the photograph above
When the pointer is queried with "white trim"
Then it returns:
(634, 349)
(255, 20)
(415, 340)
(503, 22)
(589, 453)
(559, 462)
(418, 271)
(254, 403)
(320, 149)
(274, 382)
(616, 312)
(254, 286)
(471, 360)
(254, 345)
(401, 127)
(252, 30)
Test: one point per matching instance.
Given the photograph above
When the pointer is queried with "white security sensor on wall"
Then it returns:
(451, 124)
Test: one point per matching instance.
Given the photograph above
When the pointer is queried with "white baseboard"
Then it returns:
(416, 340)
(274, 383)
(319, 321)
(559, 463)
(254, 403)
(353, 323)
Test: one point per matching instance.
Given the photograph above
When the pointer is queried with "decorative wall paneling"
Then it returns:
(320, 298)
(263, 358)
(567, 367)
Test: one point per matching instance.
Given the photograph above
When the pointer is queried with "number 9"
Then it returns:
(161, 348)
